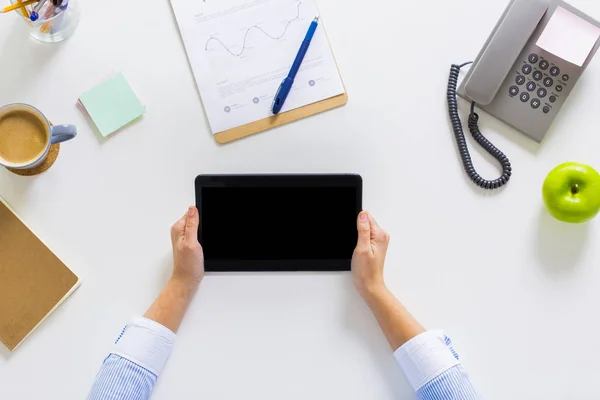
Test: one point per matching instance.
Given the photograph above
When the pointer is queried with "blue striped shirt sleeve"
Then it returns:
(131, 370)
(433, 369)
(451, 384)
(121, 379)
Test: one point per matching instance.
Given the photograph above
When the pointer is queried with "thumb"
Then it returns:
(178, 228)
(364, 230)
(191, 224)
(376, 231)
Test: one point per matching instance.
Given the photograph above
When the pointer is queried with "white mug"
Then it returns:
(54, 134)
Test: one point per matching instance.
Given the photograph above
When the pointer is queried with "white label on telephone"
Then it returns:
(569, 37)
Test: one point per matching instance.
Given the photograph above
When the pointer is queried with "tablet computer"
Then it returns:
(278, 222)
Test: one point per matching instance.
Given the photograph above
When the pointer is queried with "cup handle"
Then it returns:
(62, 133)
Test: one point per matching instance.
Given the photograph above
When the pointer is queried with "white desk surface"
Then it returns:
(516, 290)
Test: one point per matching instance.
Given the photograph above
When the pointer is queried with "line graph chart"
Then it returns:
(244, 46)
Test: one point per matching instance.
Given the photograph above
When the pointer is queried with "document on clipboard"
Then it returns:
(241, 50)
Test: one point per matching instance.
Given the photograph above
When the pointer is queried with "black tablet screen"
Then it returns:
(282, 223)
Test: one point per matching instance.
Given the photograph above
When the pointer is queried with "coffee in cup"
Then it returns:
(23, 136)
(26, 136)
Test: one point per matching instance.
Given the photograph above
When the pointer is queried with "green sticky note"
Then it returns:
(112, 104)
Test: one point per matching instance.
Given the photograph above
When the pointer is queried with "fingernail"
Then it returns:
(363, 216)
(191, 211)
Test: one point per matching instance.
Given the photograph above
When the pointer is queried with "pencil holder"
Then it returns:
(54, 24)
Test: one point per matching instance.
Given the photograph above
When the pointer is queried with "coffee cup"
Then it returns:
(26, 136)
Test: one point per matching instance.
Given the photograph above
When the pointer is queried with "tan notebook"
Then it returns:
(33, 281)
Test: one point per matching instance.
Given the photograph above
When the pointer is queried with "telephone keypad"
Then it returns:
(534, 91)
(538, 83)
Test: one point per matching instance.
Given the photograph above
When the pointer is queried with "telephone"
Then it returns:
(523, 75)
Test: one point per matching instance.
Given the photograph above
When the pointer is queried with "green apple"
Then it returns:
(571, 192)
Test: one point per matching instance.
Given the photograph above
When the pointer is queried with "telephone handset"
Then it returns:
(524, 74)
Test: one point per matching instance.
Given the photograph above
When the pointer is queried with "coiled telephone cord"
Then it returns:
(461, 142)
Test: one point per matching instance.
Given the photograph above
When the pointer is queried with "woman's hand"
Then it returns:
(188, 256)
(367, 270)
(369, 255)
(188, 270)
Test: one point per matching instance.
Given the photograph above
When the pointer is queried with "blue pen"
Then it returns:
(286, 85)
(34, 14)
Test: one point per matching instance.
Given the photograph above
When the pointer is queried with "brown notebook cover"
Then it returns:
(33, 281)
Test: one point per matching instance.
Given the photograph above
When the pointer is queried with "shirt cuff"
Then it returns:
(424, 357)
(146, 343)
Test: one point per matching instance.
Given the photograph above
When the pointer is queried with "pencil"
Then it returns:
(24, 10)
(17, 6)
(50, 13)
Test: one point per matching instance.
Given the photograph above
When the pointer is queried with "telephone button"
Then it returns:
(544, 64)
(535, 103)
(554, 71)
(542, 92)
(524, 97)
(565, 78)
(546, 109)
(552, 99)
(548, 82)
(514, 90)
(526, 69)
(559, 88)
(531, 86)
(533, 58)
(537, 75)
(520, 79)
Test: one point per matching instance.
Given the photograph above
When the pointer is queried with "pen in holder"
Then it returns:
(51, 24)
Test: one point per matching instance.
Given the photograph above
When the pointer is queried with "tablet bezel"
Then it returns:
(280, 180)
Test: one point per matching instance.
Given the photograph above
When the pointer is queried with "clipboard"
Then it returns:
(280, 119)
(187, 14)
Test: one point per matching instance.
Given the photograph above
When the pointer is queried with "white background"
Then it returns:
(516, 290)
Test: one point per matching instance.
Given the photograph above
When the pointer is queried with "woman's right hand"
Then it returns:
(369, 256)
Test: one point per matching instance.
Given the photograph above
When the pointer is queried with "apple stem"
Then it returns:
(575, 189)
